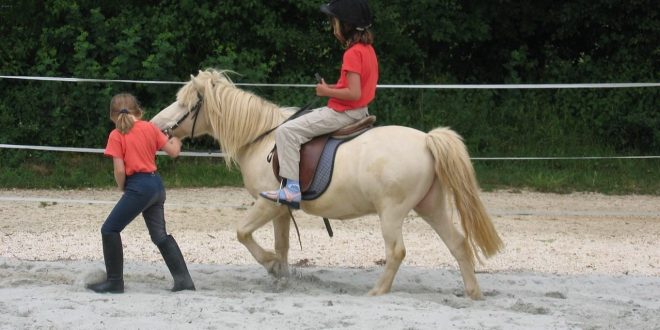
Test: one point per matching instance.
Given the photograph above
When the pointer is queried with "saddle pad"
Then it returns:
(323, 174)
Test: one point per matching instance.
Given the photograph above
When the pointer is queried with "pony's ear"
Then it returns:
(198, 85)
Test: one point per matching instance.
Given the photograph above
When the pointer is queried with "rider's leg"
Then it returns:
(292, 134)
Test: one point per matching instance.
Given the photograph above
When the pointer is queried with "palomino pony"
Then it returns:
(387, 170)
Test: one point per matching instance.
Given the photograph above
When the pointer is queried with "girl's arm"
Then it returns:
(120, 172)
(173, 147)
(352, 92)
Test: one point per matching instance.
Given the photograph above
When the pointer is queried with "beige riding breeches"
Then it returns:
(294, 133)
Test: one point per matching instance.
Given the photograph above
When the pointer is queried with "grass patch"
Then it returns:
(612, 176)
(43, 170)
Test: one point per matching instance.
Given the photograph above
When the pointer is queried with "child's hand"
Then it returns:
(173, 147)
(322, 88)
(351, 92)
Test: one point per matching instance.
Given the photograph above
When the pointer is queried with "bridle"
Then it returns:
(194, 111)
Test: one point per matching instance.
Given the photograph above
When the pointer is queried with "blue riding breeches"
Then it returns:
(143, 193)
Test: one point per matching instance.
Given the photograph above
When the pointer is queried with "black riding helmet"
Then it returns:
(353, 12)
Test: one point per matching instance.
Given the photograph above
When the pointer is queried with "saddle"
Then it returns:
(321, 150)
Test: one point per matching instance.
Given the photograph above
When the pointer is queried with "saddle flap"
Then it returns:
(310, 153)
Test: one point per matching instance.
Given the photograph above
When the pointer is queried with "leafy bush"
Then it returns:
(420, 42)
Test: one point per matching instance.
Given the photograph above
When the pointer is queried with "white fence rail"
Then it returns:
(220, 154)
(432, 86)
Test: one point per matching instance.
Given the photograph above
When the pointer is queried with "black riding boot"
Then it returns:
(113, 253)
(177, 266)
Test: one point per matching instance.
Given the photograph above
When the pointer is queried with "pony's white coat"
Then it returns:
(387, 170)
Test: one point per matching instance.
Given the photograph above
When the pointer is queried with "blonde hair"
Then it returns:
(348, 35)
(124, 110)
(237, 117)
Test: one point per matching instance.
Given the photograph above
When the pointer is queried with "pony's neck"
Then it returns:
(238, 117)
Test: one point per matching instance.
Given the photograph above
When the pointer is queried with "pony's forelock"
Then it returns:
(203, 83)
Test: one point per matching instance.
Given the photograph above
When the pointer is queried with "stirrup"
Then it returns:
(283, 196)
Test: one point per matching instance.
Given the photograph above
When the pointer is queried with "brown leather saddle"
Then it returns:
(310, 152)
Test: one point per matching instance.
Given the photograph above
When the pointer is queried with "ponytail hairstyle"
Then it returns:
(124, 110)
(348, 35)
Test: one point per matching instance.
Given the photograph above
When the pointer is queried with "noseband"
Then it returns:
(194, 111)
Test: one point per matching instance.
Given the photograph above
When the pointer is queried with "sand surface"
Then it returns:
(575, 261)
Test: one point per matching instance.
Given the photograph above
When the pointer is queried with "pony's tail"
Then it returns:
(455, 171)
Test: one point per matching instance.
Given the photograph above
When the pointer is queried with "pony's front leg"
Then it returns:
(281, 227)
(262, 212)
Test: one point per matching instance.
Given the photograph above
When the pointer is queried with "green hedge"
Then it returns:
(418, 42)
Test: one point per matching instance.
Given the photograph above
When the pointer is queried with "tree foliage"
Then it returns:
(418, 42)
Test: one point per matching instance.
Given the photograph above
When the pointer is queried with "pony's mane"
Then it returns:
(237, 117)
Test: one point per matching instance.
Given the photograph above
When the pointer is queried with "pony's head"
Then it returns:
(185, 117)
(211, 104)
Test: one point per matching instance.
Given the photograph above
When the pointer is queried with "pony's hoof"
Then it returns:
(375, 292)
(278, 269)
(474, 294)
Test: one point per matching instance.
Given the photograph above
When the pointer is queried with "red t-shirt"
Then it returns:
(137, 147)
(361, 59)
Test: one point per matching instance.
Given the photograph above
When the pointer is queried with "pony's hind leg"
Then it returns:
(262, 212)
(391, 223)
(433, 209)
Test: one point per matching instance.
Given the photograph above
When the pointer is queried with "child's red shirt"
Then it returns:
(137, 147)
(361, 59)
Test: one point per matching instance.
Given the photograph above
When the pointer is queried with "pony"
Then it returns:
(388, 170)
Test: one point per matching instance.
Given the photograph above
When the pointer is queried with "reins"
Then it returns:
(298, 113)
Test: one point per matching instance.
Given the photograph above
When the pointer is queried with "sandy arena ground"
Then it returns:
(576, 261)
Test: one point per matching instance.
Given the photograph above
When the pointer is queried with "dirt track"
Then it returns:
(549, 233)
